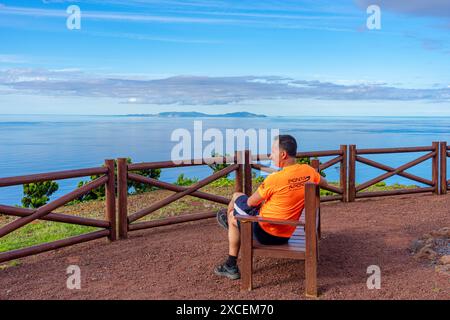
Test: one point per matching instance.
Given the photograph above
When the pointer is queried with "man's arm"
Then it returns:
(254, 200)
(323, 182)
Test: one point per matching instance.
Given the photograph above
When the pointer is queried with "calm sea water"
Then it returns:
(41, 143)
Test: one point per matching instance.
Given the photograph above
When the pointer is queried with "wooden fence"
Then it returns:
(45, 212)
(355, 155)
(242, 164)
(444, 155)
(125, 172)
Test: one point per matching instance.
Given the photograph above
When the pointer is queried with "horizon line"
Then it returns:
(209, 114)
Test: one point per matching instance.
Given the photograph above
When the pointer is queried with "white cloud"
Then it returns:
(105, 15)
(12, 59)
(226, 17)
(435, 8)
(195, 90)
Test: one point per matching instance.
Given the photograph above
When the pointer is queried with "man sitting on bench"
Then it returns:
(280, 196)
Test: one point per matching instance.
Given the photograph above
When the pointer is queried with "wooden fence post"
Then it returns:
(248, 173)
(343, 173)
(435, 167)
(110, 192)
(239, 182)
(315, 163)
(352, 174)
(443, 172)
(122, 185)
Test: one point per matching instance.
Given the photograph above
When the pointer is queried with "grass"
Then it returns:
(382, 186)
(9, 264)
(41, 232)
(45, 231)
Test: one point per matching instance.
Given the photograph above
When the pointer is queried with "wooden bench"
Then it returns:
(303, 245)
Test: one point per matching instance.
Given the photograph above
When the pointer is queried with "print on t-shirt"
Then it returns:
(297, 183)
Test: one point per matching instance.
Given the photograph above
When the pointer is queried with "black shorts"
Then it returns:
(241, 207)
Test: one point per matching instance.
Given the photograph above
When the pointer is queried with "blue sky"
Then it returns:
(273, 57)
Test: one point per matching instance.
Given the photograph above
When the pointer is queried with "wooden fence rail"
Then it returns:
(45, 212)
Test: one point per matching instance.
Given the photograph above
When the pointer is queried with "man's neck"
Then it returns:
(289, 162)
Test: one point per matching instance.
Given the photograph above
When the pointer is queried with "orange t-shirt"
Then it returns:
(284, 195)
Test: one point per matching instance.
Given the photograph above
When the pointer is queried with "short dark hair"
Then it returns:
(287, 143)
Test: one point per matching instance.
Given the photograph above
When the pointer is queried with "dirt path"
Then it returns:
(176, 262)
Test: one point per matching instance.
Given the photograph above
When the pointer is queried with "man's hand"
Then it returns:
(254, 200)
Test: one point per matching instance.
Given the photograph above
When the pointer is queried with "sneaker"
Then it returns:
(227, 271)
(222, 218)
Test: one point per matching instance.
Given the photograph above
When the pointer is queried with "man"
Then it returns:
(281, 196)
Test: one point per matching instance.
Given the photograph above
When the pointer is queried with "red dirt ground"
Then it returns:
(176, 262)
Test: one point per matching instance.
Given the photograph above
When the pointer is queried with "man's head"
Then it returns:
(284, 149)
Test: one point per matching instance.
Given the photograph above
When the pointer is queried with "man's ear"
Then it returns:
(284, 155)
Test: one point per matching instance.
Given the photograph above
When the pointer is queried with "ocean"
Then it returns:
(42, 143)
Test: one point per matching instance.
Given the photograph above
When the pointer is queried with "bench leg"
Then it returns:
(311, 277)
(319, 235)
(311, 237)
(246, 255)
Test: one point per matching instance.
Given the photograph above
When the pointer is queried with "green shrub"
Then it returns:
(307, 160)
(218, 166)
(185, 181)
(38, 194)
(99, 193)
(222, 182)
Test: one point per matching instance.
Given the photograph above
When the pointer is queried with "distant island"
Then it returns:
(194, 114)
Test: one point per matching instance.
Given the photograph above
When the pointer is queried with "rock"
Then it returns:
(444, 232)
(416, 245)
(445, 260)
(437, 233)
(426, 236)
(444, 269)
(426, 252)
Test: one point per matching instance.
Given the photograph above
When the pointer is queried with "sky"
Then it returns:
(288, 58)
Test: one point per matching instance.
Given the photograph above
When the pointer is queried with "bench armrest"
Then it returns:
(243, 218)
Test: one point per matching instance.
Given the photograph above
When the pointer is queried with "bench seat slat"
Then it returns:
(294, 249)
(295, 241)
(287, 254)
(294, 246)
